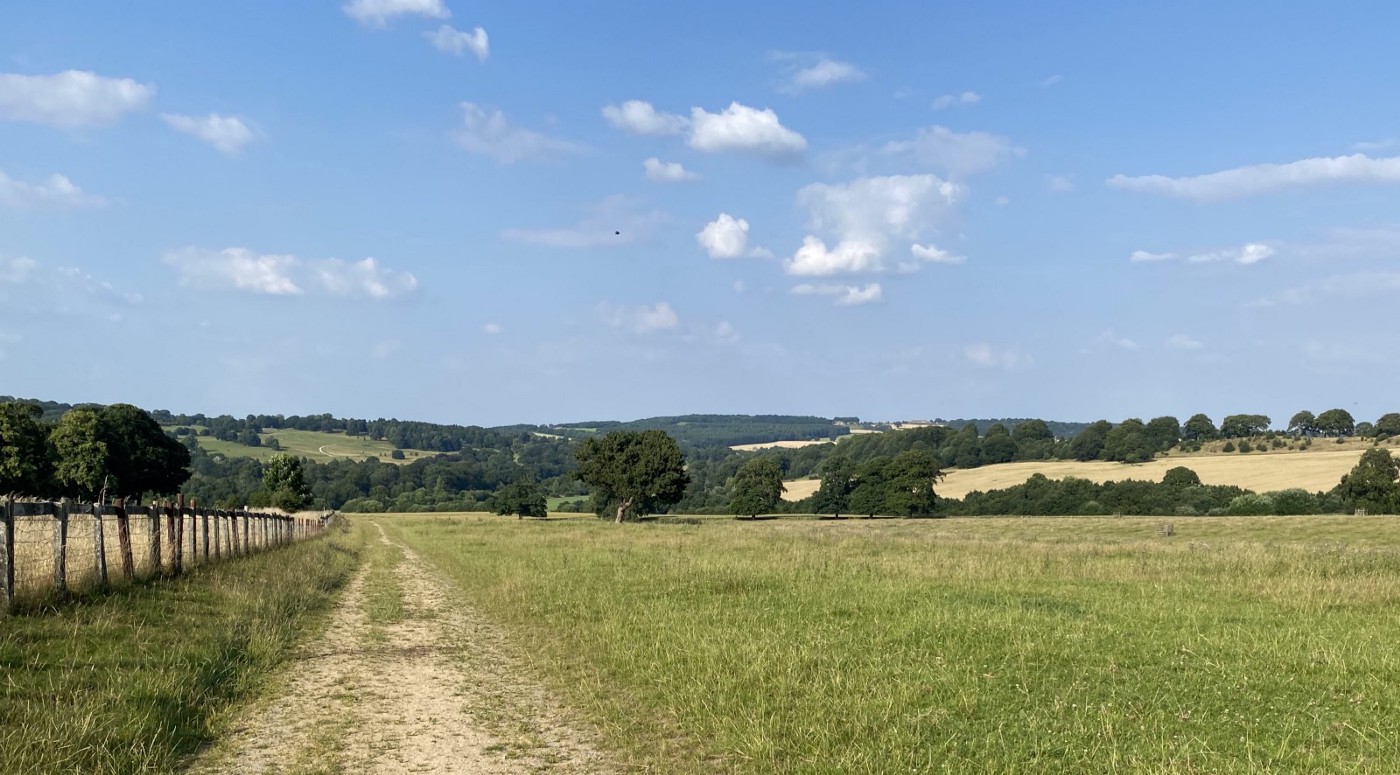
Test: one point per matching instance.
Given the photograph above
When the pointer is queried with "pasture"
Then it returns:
(317, 446)
(1314, 470)
(989, 645)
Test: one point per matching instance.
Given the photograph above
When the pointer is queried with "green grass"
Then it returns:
(309, 444)
(986, 645)
(137, 680)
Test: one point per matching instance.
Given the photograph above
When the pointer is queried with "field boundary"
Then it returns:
(54, 548)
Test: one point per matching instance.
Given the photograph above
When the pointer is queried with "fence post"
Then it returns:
(204, 520)
(8, 540)
(177, 526)
(246, 532)
(60, 547)
(124, 541)
(99, 541)
(153, 512)
(171, 544)
(233, 532)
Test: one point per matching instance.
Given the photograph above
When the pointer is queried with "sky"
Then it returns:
(491, 213)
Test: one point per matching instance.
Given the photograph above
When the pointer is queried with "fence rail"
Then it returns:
(49, 547)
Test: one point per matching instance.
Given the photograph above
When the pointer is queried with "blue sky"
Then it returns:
(508, 212)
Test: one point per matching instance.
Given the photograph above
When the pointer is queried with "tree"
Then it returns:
(1198, 428)
(757, 487)
(1303, 423)
(838, 480)
(1181, 476)
(284, 477)
(998, 446)
(1128, 442)
(868, 495)
(26, 460)
(1238, 426)
(119, 450)
(1032, 431)
(1164, 431)
(1388, 424)
(1089, 444)
(632, 472)
(1372, 484)
(1336, 422)
(523, 499)
(910, 479)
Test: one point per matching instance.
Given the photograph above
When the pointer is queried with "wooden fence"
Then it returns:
(49, 548)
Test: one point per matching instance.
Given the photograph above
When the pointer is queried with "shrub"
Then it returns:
(396, 454)
(1229, 446)
(1252, 505)
(1245, 447)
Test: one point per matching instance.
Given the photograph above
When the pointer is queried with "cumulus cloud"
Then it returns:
(450, 40)
(956, 100)
(728, 237)
(988, 356)
(616, 221)
(957, 153)
(742, 129)
(1183, 342)
(1266, 178)
(244, 270)
(638, 117)
(866, 217)
(378, 13)
(823, 73)
(846, 295)
(668, 171)
(30, 288)
(56, 191)
(226, 133)
(935, 255)
(73, 98)
(640, 320)
(487, 131)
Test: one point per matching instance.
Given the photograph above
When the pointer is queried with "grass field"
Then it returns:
(987, 645)
(317, 446)
(137, 680)
(1314, 470)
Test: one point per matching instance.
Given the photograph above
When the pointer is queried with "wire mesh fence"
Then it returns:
(58, 547)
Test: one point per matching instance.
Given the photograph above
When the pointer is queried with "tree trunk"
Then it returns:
(622, 509)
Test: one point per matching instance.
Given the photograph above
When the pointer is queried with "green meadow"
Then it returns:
(961, 645)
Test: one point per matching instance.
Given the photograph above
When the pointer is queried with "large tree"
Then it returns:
(910, 479)
(523, 499)
(26, 460)
(117, 450)
(1238, 426)
(632, 472)
(1336, 422)
(838, 479)
(1372, 484)
(1198, 428)
(757, 487)
(284, 478)
(1089, 443)
(1303, 423)
(1388, 424)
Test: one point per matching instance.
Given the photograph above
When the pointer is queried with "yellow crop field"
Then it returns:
(1312, 470)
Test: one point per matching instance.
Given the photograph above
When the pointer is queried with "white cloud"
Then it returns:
(866, 216)
(640, 320)
(956, 100)
(1183, 342)
(847, 295)
(935, 255)
(1265, 178)
(1250, 253)
(1118, 341)
(227, 133)
(241, 269)
(487, 131)
(725, 333)
(957, 153)
(616, 221)
(237, 268)
(728, 237)
(1377, 145)
(56, 191)
(362, 279)
(638, 117)
(1059, 184)
(825, 72)
(450, 40)
(377, 13)
(742, 129)
(69, 99)
(668, 171)
(16, 271)
(492, 329)
(1142, 256)
(987, 356)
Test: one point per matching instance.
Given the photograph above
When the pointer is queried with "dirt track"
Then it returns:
(436, 691)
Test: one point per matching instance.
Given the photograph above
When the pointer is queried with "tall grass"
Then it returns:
(136, 680)
(1049, 645)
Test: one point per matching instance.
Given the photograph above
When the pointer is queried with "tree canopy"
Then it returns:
(757, 486)
(118, 450)
(632, 472)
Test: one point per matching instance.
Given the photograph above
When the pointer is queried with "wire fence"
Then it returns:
(52, 548)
